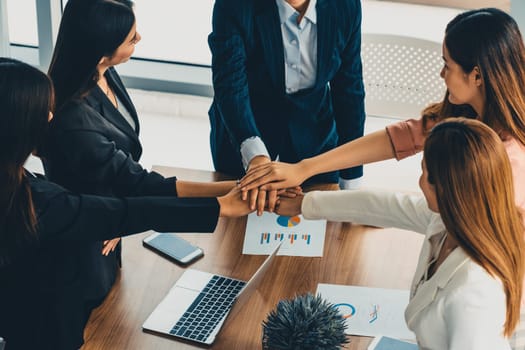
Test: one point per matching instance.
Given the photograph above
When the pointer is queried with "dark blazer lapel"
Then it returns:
(269, 27)
(326, 33)
(117, 85)
(99, 102)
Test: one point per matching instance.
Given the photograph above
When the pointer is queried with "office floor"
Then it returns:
(175, 132)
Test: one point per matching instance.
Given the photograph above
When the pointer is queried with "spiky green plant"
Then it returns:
(306, 322)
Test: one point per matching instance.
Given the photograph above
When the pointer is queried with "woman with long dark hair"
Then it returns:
(466, 292)
(93, 145)
(44, 226)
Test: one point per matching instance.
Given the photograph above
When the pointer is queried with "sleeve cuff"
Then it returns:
(407, 137)
(252, 147)
(307, 207)
(351, 184)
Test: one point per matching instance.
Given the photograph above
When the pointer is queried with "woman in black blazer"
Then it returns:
(93, 144)
(43, 225)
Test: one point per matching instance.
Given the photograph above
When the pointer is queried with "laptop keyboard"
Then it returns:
(208, 309)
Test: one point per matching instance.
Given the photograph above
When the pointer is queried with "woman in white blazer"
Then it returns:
(467, 287)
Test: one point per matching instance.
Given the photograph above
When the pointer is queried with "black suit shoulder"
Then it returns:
(76, 115)
(347, 13)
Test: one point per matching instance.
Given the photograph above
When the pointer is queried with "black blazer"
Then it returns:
(92, 149)
(41, 299)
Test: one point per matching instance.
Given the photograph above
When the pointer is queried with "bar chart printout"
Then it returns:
(300, 237)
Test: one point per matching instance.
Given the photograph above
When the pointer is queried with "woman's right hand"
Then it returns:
(232, 205)
(273, 176)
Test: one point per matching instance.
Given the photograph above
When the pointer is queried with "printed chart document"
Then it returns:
(300, 237)
(370, 311)
(387, 343)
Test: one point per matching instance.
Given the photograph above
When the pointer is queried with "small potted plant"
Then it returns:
(306, 322)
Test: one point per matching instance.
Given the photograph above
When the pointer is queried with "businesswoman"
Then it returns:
(467, 288)
(42, 225)
(484, 70)
(93, 143)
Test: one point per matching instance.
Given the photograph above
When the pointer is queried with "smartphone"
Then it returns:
(173, 247)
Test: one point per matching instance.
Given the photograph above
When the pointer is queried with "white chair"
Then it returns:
(401, 75)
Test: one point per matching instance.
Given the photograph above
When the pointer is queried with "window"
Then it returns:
(22, 23)
(174, 31)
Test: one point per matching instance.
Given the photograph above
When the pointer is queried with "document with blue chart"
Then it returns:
(370, 311)
(300, 237)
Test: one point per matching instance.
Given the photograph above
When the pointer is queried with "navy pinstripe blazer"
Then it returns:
(249, 83)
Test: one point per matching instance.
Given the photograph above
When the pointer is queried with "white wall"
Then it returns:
(517, 10)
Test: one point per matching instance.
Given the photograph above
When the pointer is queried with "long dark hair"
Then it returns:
(468, 165)
(89, 30)
(490, 39)
(26, 98)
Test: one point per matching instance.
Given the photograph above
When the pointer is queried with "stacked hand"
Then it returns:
(256, 196)
(233, 205)
(267, 178)
(267, 185)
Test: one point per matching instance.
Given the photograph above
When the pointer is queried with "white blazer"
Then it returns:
(461, 307)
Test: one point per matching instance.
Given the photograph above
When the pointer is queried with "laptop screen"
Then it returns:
(252, 284)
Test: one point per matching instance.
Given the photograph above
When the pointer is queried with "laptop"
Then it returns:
(197, 305)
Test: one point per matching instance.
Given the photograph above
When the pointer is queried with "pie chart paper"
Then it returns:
(300, 237)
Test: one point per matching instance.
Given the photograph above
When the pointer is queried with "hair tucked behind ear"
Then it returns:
(469, 167)
(26, 97)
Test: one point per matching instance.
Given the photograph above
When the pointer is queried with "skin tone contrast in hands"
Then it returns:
(261, 199)
(463, 88)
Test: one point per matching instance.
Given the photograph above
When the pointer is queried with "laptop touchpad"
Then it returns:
(194, 279)
(170, 309)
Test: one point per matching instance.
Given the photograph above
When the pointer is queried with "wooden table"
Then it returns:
(353, 255)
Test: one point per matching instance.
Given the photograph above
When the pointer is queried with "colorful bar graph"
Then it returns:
(299, 237)
(265, 238)
(307, 238)
(292, 237)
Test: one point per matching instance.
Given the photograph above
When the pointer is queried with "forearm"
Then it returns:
(203, 189)
(370, 148)
(69, 216)
(375, 207)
